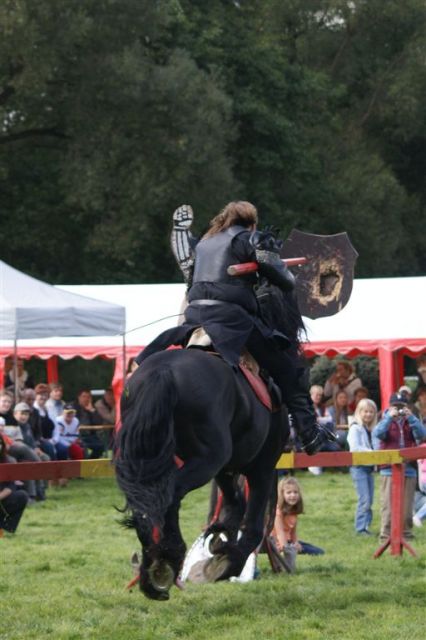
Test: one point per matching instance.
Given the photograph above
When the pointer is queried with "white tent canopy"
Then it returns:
(379, 309)
(30, 308)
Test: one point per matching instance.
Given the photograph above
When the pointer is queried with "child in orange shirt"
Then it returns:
(289, 506)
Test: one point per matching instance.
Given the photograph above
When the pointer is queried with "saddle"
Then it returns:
(266, 391)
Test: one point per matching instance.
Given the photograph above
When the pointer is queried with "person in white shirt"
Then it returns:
(68, 444)
(55, 404)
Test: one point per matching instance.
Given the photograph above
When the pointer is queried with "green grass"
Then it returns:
(63, 576)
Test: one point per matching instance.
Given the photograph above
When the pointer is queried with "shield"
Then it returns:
(324, 283)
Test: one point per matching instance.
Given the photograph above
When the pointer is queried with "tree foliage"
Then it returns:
(113, 112)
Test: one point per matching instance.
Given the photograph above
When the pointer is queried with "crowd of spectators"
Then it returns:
(343, 405)
(40, 426)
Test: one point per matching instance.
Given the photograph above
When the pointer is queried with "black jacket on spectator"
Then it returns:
(8, 418)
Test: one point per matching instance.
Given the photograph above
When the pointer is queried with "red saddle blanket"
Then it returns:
(258, 386)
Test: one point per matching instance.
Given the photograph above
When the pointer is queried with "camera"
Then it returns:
(401, 412)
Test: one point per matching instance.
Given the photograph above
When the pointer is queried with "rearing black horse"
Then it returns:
(192, 405)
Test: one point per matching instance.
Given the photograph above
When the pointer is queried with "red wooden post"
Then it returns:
(397, 509)
(2, 372)
(52, 369)
(396, 540)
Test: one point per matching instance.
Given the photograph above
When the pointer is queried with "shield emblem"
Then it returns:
(324, 283)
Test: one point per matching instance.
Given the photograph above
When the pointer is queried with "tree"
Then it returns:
(116, 111)
(107, 128)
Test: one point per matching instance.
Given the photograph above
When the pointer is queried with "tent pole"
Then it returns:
(15, 369)
(124, 360)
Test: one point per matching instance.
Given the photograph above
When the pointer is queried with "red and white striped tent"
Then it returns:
(384, 318)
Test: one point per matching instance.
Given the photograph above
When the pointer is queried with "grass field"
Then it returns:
(63, 577)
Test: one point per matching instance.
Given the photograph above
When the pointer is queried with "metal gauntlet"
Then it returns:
(273, 268)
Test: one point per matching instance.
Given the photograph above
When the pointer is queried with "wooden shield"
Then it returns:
(324, 283)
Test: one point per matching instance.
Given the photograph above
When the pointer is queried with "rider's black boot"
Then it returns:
(313, 437)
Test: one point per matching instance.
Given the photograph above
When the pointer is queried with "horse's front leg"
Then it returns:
(162, 559)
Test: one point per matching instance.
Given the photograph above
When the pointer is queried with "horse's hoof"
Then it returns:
(161, 576)
(196, 573)
(216, 568)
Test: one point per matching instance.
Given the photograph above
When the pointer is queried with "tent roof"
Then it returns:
(387, 312)
(30, 308)
(382, 312)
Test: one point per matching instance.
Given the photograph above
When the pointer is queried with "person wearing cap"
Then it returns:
(67, 435)
(21, 413)
(398, 429)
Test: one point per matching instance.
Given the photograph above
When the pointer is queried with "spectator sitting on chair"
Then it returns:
(29, 396)
(87, 415)
(46, 425)
(13, 500)
(421, 370)
(24, 380)
(321, 411)
(398, 429)
(6, 412)
(21, 414)
(19, 452)
(68, 443)
(339, 413)
(420, 406)
(105, 407)
(55, 404)
(420, 495)
(343, 379)
(360, 394)
(323, 416)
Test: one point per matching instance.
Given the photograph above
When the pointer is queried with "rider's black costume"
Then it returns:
(227, 308)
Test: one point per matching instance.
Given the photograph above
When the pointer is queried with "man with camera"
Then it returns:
(398, 429)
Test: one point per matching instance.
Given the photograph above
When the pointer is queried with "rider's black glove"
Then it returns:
(267, 248)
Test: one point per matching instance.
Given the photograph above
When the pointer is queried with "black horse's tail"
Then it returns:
(144, 457)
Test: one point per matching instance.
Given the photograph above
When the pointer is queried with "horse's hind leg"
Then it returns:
(232, 508)
(229, 558)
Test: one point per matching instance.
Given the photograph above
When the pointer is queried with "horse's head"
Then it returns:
(161, 562)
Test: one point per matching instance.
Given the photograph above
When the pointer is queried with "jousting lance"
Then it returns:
(249, 267)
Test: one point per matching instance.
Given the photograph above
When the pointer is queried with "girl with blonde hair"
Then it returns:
(289, 507)
(360, 439)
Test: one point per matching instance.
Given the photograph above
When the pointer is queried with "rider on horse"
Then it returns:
(228, 310)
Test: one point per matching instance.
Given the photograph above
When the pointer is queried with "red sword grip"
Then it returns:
(249, 267)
